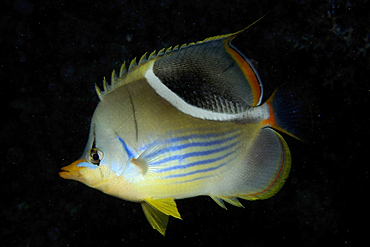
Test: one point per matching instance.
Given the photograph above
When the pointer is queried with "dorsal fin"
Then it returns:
(117, 81)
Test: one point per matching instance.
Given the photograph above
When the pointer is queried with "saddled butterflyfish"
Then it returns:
(188, 121)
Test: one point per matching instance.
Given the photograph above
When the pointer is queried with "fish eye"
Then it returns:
(95, 156)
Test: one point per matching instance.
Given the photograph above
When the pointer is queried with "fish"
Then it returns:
(188, 121)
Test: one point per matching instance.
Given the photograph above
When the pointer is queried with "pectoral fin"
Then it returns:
(157, 212)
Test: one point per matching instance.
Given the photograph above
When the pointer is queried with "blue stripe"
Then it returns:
(193, 179)
(128, 151)
(192, 154)
(187, 137)
(197, 171)
(187, 145)
(202, 177)
(202, 136)
(197, 163)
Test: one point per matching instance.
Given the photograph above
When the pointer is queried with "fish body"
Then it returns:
(185, 122)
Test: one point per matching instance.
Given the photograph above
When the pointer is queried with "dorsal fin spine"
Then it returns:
(152, 55)
(98, 91)
(113, 78)
(123, 69)
(183, 46)
(169, 49)
(104, 84)
(161, 52)
(143, 59)
(132, 64)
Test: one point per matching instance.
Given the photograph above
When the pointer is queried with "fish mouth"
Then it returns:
(63, 173)
(71, 171)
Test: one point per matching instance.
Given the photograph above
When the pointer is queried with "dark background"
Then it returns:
(52, 53)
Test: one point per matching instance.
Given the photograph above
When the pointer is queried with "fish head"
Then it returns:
(103, 160)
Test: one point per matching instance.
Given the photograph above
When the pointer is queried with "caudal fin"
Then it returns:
(290, 113)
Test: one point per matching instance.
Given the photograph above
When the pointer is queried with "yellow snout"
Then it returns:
(72, 171)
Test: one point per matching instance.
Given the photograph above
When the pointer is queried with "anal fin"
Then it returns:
(219, 201)
(232, 200)
(157, 212)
